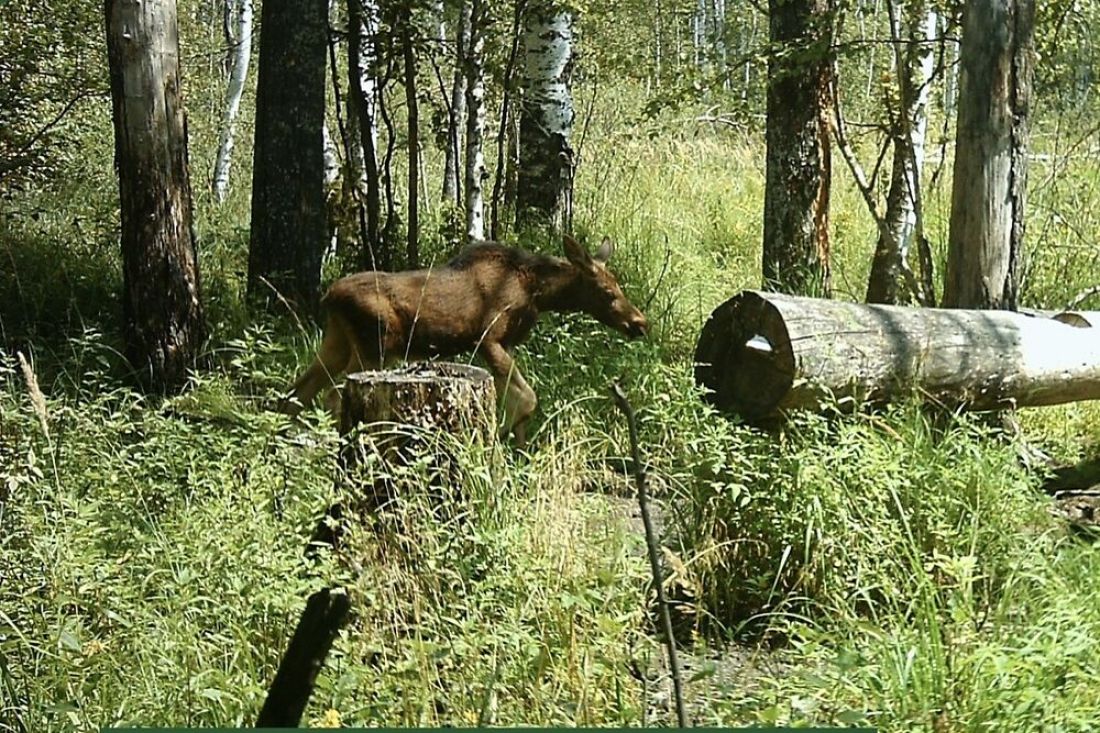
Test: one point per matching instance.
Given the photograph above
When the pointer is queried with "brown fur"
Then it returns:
(486, 300)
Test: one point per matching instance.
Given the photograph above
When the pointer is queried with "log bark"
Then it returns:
(392, 418)
(763, 354)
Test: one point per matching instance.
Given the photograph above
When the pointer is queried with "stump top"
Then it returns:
(421, 372)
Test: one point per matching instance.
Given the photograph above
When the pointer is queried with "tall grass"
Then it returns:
(888, 568)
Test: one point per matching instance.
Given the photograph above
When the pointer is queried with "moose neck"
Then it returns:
(558, 286)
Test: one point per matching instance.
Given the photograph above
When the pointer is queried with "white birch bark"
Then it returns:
(363, 98)
(699, 33)
(475, 122)
(546, 119)
(332, 158)
(921, 70)
(913, 32)
(242, 52)
(364, 74)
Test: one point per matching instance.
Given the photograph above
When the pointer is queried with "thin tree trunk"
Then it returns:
(331, 157)
(456, 120)
(241, 54)
(475, 122)
(913, 30)
(545, 190)
(412, 251)
(161, 305)
(502, 131)
(796, 195)
(699, 34)
(511, 164)
(987, 198)
(387, 236)
(658, 19)
(363, 95)
(718, 34)
(951, 70)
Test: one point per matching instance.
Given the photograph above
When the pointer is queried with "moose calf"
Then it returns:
(486, 301)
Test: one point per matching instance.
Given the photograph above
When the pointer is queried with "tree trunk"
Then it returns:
(457, 117)
(161, 306)
(511, 165)
(545, 193)
(951, 69)
(288, 194)
(987, 198)
(718, 36)
(475, 122)
(891, 281)
(699, 35)
(412, 249)
(505, 124)
(761, 354)
(796, 194)
(241, 11)
(363, 93)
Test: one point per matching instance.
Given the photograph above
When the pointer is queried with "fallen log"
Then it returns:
(763, 354)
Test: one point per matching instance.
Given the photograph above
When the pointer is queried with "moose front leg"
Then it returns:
(513, 392)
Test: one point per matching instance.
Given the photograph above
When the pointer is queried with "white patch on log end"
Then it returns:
(759, 343)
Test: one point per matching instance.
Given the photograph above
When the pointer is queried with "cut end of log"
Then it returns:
(744, 358)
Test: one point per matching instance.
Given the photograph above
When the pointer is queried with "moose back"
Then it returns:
(484, 301)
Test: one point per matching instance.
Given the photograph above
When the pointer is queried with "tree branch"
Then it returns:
(651, 546)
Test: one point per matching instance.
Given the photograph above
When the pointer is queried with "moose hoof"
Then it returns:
(288, 406)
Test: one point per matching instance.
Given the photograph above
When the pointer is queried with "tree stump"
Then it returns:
(763, 354)
(402, 422)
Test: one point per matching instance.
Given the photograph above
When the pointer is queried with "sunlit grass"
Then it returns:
(900, 570)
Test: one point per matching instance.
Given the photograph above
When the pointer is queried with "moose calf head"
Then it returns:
(597, 292)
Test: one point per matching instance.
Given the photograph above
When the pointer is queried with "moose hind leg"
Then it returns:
(331, 360)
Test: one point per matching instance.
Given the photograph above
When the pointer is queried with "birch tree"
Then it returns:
(798, 171)
(913, 32)
(161, 306)
(545, 187)
(990, 175)
(288, 194)
(913, 27)
(239, 22)
(475, 121)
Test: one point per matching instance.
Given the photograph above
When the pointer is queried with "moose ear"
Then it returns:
(603, 254)
(575, 252)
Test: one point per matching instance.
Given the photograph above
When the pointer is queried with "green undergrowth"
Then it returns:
(893, 568)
